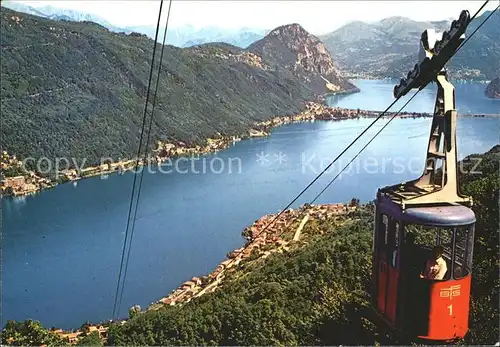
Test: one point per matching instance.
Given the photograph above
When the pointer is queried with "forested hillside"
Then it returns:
(78, 90)
(75, 89)
(315, 293)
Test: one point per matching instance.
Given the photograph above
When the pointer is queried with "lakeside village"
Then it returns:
(259, 245)
(16, 181)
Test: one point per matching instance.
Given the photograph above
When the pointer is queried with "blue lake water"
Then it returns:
(377, 95)
(62, 247)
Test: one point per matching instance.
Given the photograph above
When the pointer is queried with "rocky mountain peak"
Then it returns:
(293, 48)
(290, 30)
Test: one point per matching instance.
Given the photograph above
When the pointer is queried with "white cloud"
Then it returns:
(315, 16)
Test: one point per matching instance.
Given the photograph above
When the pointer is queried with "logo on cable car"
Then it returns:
(450, 292)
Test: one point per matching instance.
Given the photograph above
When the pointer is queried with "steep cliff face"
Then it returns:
(293, 48)
(493, 89)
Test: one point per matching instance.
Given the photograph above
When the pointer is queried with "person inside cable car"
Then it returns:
(435, 267)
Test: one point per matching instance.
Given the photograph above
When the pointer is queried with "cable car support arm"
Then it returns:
(433, 187)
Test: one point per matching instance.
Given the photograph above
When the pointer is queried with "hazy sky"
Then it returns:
(315, 16)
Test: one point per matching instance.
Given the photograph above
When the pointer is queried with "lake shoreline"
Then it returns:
(314, 111)
(268, 234)
(263, 237)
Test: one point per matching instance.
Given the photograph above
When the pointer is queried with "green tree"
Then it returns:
(483, 184)
(29, 333)
(134, 311)
(91, 339)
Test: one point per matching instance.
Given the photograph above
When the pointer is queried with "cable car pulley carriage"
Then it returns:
(414, 217)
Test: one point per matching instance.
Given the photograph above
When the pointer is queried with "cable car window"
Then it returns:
(425, 238)
(385, 223)
(391, 234)
(445, 239)
(382, 241)
(462, 259)
(391, 241)
(398, 228)
(382, 234)
(470, 247)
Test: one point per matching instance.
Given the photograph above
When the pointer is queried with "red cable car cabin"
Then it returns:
(414, 216)
(428, 309)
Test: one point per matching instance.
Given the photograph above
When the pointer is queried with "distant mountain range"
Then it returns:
(382, 49)
(188, 35)
(389, 48)
(240, 38)
(184, 36)
(56, 13)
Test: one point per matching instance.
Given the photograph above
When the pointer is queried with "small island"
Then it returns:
(493, 89)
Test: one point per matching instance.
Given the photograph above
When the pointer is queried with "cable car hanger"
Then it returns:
(430, 189)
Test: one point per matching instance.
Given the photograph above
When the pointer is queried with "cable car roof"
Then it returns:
(440, 216)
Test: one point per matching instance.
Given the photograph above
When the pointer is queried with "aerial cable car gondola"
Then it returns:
(427, 220)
